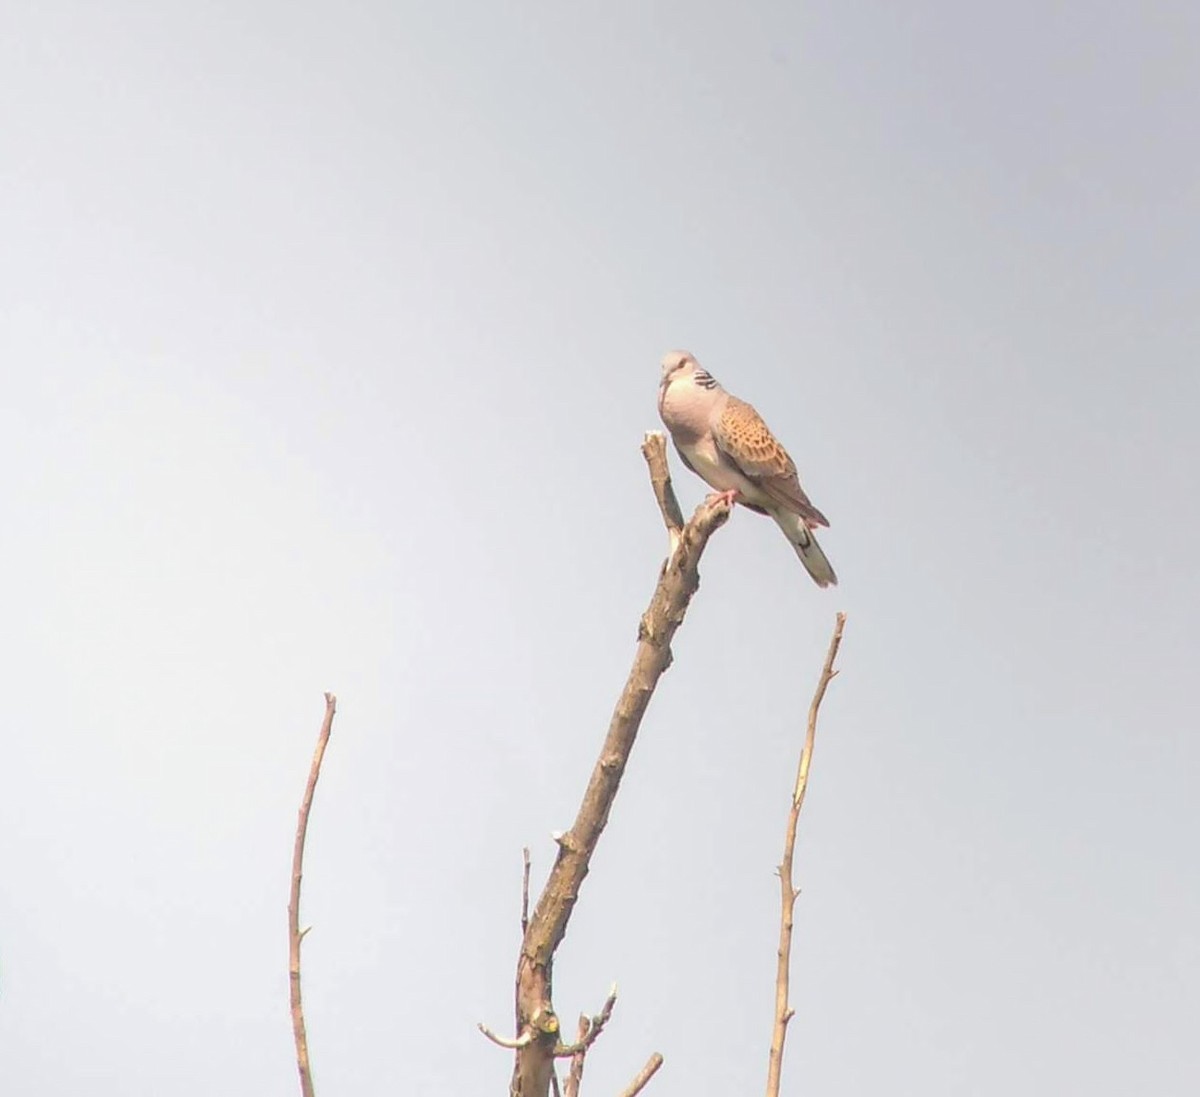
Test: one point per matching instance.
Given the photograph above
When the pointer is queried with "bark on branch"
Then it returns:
(644, 1075)
(589, 1030)
(295, 933)
(787, 887)
(678, 581)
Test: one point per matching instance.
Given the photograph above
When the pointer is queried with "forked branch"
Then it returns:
(589, 1029)
(787, 887)
(537, 1023)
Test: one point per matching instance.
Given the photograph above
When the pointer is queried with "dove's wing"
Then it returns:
(743, 437)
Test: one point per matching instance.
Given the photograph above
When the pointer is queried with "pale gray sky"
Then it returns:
(329, 336)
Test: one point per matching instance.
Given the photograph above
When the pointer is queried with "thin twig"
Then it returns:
(589, 1030)
(505, 1041)
(595, 1026)
(575, 1074)
(295, 934)
(525, 894)
(647, 1072)
(787, 887)
(677, 582)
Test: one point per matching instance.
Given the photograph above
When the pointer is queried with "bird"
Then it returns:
(725, 442)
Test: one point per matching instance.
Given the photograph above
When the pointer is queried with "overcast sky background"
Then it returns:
(329, 335)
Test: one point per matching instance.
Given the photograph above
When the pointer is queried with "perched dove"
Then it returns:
(725, 442)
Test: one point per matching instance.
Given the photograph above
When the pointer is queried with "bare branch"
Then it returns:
(575, 1074)
(787, 888)
(525, 894)
(677, 583)
(595, 1026)
(654, 449)
(647, 1072)
(295, 934)
(504, 1041)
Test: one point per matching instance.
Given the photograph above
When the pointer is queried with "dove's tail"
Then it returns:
(815, 561)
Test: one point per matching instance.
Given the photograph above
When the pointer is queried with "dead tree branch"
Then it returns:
(503, 1041)
(575, 1074)
(677, 583)
(644, 1075)
(589, 1029)
(525, 892)
(654, 449)
(787, 887)
(295, 933)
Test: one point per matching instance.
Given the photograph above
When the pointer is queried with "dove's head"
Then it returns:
(676, 365)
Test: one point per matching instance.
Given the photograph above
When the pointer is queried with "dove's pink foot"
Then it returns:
(727, 497)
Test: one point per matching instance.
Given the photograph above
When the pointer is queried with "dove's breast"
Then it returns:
(688, 411)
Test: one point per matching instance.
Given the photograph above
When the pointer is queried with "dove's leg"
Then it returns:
(727, 497)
